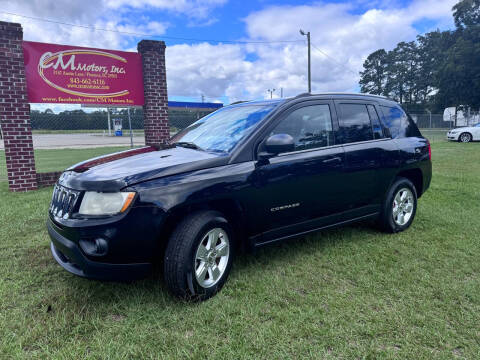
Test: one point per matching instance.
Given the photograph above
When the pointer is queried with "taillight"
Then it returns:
(429, 150)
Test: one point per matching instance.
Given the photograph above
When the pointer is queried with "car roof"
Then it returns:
(326, 95)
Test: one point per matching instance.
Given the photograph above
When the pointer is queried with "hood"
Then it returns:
(116, 171)
(463, 128)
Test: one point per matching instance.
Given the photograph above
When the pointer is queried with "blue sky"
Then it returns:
(343, 34)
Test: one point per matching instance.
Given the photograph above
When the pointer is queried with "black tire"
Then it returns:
(465, 137)
(180, 255)
(386, 220)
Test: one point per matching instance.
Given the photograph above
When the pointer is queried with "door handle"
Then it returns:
(333, 160)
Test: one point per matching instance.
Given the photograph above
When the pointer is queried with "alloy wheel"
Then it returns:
(211, 258)
(403, 204)
(465, 137)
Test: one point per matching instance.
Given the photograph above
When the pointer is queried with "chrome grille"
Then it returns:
(63, 201)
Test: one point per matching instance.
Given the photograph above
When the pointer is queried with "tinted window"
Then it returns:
(310, 127)
(376, 126)
(398, 122)
(394, 117)
(354, 123)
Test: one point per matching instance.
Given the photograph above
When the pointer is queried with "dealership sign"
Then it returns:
(78, 75)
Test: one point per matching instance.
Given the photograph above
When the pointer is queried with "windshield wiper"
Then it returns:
(189, 145)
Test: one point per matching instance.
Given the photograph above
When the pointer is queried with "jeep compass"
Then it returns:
(247, 175)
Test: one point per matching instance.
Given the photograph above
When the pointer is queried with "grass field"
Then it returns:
(435, 135)
(57, 160)
(347, 293)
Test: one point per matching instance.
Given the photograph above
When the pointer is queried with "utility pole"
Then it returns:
(281, 92)
(309, 60)
(108, 122)
(130, 126)
(203, 98)
(271, 92)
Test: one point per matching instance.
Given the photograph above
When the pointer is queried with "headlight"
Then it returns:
(95, 203)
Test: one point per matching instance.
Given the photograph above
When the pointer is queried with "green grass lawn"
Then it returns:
(57, 160)
(347, 293)
(435, 135)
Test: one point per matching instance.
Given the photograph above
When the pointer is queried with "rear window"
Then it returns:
(354, 122)
(394, 119)
(399, 123)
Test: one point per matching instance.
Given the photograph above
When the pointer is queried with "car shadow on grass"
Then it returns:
(80, 295)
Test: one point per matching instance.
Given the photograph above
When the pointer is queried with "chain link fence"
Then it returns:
(85, 129)
(435, 126)
(432, 126)
(68, 137)
(85, 134)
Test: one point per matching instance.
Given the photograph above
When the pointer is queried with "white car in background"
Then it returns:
(465, 134)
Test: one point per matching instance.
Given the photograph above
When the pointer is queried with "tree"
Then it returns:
(402, 72)
(459, 75)
(432, 48)
(440, 69)
(466, 13)
(373, 78)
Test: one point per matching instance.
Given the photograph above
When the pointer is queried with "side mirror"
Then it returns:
(277, 144)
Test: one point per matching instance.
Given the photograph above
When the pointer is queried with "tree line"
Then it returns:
(440, 69)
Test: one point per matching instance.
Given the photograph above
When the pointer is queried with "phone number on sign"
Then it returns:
(87, 81)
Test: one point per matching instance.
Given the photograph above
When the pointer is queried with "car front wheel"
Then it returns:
(199, 256)
(399, 207)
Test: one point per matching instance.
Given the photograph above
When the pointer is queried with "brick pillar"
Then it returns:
(15, 110)
(155, 110)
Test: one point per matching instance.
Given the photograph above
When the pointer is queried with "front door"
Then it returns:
(295, 189)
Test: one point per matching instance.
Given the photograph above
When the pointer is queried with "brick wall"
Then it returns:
(47, 179)
(155, 109)
(15, 110)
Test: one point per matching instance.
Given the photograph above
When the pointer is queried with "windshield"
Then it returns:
(223, 129)
(478, 125)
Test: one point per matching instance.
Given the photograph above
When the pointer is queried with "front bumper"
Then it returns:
(452, 137)
(69, 255)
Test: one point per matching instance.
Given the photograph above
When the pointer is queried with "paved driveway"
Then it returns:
(80, 141)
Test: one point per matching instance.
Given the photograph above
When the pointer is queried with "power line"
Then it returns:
(334, 60)
(149, 35)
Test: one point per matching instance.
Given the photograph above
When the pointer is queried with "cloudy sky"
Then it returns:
(232, 50)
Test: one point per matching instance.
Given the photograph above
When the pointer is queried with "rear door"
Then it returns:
(370, 156)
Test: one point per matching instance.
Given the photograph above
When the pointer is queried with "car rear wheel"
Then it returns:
(399, 207)
(199, 256)
(465, 137)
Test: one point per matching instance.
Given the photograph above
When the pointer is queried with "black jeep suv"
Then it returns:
(246, 175)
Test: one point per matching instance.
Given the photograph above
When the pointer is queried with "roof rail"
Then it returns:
(353, 94)
(302, 95)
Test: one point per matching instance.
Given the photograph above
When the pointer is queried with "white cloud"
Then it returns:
(347, 32)
(85, 14)
(212, 70)
(347, 37)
